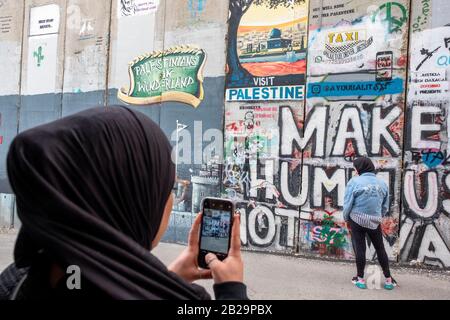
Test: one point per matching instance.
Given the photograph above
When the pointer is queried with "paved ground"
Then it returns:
(280, 277)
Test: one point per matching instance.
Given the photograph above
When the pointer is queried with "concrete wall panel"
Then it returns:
(11, 25)
(86, 55)
(425, 234)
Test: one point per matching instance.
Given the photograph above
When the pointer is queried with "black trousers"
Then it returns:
(359, 245)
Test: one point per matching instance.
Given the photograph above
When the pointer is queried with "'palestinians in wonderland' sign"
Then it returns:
(175, 74)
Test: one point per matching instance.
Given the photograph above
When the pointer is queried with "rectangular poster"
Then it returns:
(267, 45)
(44, 20)
(131, 8)
(429, 63)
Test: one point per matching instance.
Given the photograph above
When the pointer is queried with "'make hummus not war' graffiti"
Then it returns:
(175, 74)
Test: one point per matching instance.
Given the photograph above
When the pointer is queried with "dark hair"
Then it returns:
(364, 165)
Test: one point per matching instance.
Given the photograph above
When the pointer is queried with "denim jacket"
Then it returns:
(366, 194)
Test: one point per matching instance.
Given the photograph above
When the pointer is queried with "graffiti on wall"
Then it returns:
(266, 61)
(196, 7)
(425, 231)
(173, 75)
(422, 15)
(356, 71)
(287, 169)
(263, 172)
(267, 44)
(264, 184)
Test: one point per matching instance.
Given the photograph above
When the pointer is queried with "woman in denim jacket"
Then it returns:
(366, 203)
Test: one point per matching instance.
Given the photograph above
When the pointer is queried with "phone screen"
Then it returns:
(215, 233)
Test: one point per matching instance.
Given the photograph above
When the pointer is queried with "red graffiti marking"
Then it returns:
(350, 150)
(328, 212)
(435, 137)
(232, 127)
(385, 152)
(439, 120)
(389, 226)
(396, 129)
(401, 62)
(264, 69)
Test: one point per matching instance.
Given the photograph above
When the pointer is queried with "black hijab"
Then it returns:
(91, 190)
(364, 165)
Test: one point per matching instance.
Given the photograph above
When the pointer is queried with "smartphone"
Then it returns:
(215, 229)
(385, 66)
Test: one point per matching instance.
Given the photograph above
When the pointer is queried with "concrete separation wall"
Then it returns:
(265, 102)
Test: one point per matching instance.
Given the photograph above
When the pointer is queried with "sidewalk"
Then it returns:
(282, 277)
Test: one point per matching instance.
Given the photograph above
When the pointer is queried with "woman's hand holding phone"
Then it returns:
(229, 270)
(232, 268)
(186, 265)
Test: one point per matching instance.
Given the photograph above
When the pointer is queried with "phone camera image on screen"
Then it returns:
(215, 230)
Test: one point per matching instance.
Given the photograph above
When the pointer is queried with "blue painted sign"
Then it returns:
(349, 89)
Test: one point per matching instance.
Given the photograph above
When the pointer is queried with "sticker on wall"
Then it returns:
(430, 62)
(345, 46)
(130, 8)
(349, 38)
(356, 89)
(267, 45)
(44, 20)
(175, 74)
(385, 65)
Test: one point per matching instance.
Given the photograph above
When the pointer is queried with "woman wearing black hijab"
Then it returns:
(366, 202)
(93, 191)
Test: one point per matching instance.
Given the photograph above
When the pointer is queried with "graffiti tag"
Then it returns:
(433, 158)
(394, 22)
(39, 56)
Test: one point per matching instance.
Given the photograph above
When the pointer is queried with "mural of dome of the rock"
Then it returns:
(267, 51)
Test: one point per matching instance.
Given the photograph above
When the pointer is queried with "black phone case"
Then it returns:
(202, 253)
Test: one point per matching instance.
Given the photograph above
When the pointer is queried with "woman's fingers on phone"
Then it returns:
(212, 261)
(193, 234)
(235, 249)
